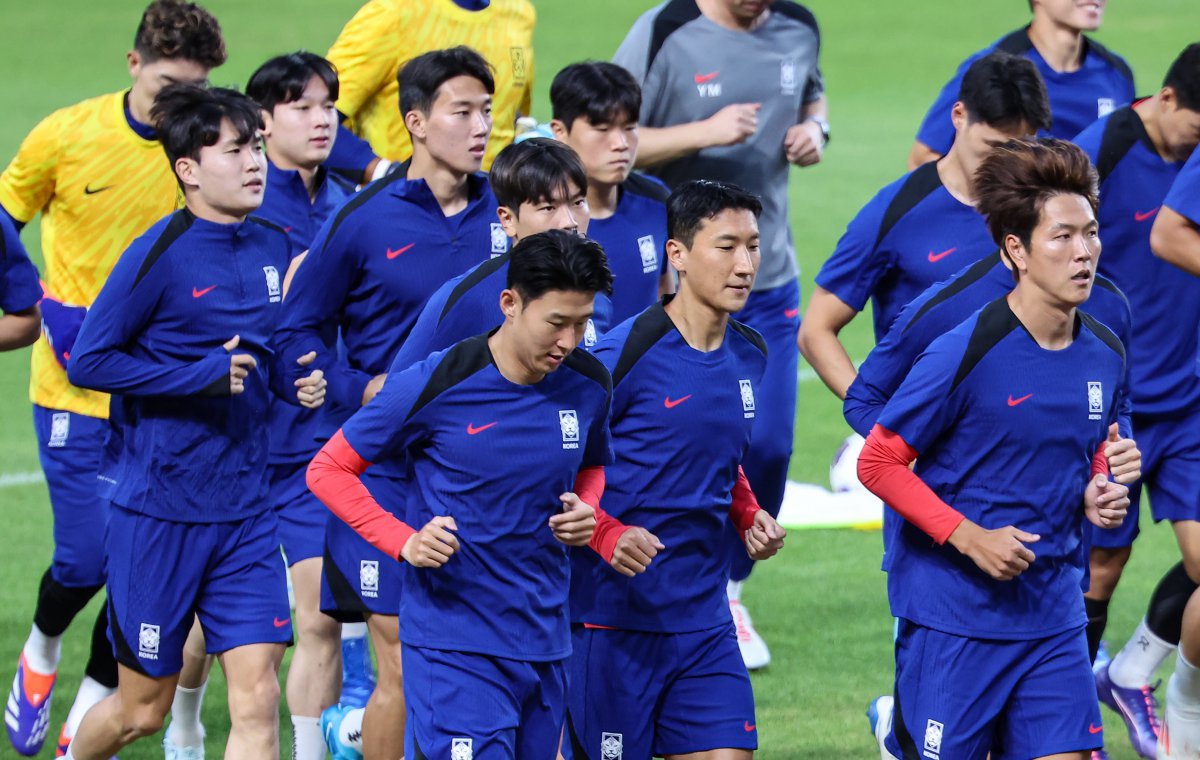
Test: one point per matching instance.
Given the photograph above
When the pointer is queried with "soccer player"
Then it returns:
(754, 106)
(506, 436)
(1179, 737)
(371, 268)
(385, 34)
(1085, 80)
(95, 171)
(182, 331)
(21, 323)
(923, 227)
(691, 692)
(1139, 151)
(297, 94)
(596, 106)
(1006, 416)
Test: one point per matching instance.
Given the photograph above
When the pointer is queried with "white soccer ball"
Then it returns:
(843, 470)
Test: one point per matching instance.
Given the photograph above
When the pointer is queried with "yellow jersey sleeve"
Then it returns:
(27, 185)
(366, 55)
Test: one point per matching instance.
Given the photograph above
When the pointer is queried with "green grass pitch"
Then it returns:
(821, 604)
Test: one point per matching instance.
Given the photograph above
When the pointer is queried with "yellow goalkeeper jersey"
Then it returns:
(98, 185)
(385, 34)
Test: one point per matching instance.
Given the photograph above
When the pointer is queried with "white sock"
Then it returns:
(354, 631)
(1183, 690)
(307, 741)
(1134, 665)
(42, 652)
(350, 730)
(734, 590)
(186, 730)
(90, 692)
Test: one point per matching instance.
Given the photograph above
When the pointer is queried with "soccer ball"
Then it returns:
(843, 470)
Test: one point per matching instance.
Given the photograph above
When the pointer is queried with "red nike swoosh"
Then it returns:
(472, 430)
(791, 313)
(1014, 401)
(668, 403)
(749, 726)
(197, 292)
(936, 257)
(1094, 729)
(1141, 216)
(281, 623)
(702, 78)
(391, 254)
(287, 229)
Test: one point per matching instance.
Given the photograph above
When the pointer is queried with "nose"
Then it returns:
(566, 219)
(620, 139)
(483, 124)
(743, 261)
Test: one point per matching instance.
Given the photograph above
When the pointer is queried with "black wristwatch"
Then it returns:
(823, 124)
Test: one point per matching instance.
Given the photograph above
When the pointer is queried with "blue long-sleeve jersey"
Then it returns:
(188, 450)
(19, 288)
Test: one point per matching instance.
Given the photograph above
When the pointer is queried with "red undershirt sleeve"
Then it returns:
(883, 467)
(333, 476)
(589, 487)
(745, 503)
(1099, 461)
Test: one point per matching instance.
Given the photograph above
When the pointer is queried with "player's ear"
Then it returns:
(1016, 253)
(558, 129)
(510, 303)
(266, 117)
(134, 60)
(677, 255)
(185, 169)
(508, 220)
(414, 120)
(958, 116)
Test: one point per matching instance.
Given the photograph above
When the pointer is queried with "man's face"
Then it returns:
(1063, 251)
(301, 133)
(228, 176)
(150, 77)
(607, 149)
(975, 139)
(455, 131)
(565, 209)
(547, 329)
(719, 266)
(1083, 15)
(1180, 128)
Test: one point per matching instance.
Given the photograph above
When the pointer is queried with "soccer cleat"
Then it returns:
(754, 650)
(358, 676)
(331, 723)
(27, 716)
(1137, 707)
(879, 715)
(172, 751)
(1179, 734)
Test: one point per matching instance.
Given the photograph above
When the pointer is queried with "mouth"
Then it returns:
(554, 360)
(255, 185)
(477, 151)
(1091, 7)
(1083, 276)
(320, 142)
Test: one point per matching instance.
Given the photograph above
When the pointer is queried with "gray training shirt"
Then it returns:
(690, 68)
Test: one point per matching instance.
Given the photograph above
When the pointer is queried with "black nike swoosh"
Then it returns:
(89, 191)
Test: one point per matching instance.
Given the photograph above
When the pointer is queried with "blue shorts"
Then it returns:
(69, 447)
(642, 694)
(464, 705)
(1170, 472)
(302, 516)
(960, 697)
(162, 574)
(357, 579)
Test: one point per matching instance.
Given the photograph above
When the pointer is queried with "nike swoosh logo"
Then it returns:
(1141, 216)
(88, 190)
(391, 254)
(288, 229)
(1014, 401)
(702, 78)
(472, 430)
(281, 623)
(668, 403)
(936, 257)
(748, 726)
(1094, 729)
(197, 292)
(791, 313)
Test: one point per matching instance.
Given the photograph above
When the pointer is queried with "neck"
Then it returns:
(717, 12)
(449, 187)
(210, 213)
(138, 109)
(1149, 111)
(1051, 324)
(308, 174)
(506, 360)
(1061, 46)
(955, 177)
(602, 199)
(701, 325)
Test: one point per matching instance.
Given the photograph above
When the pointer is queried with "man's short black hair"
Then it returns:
(1005, 91)
(599, 91)
(420, 78)
(694, 202)
(283, 78)
(558, 260)
(188, 118)
(536, 170)
(1184, 77)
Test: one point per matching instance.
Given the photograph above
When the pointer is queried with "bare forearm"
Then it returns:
(827, 356)
(663, 144)
(20, 329)
(1176, 240)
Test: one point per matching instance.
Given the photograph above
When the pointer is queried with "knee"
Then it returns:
(141, 720)
(255, 701)
(1191, 566)
(317, 631)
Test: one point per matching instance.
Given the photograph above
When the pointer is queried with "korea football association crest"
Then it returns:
(60, 428)
(1105, 106)
(274, 292)
(148, 639)
(499, 240)
(589, 334)
(747, 389)
(368, 578)
(933, 739)
(612, 746)
(461, 748)
(787, 76)
(1095, 398)
(568, 423)
(649, 253)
